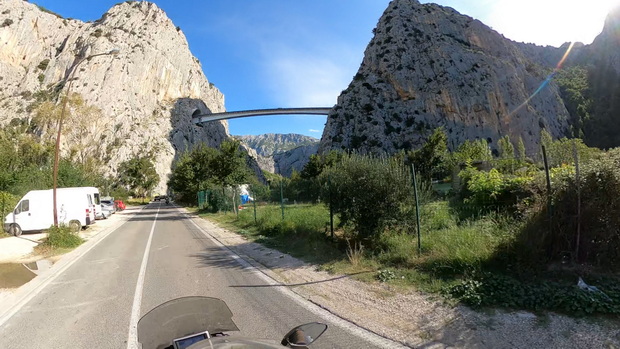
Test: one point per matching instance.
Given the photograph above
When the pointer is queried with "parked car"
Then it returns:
(34, 212)
(120, 205)
(108, 207)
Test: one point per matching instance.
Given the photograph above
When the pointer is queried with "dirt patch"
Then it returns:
(417, 319)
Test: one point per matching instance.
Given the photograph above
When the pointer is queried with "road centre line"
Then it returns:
(132, 336)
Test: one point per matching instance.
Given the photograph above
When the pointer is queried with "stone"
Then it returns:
(147, 93)
(428, 66)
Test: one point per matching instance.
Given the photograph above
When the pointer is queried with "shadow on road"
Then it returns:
(305, 283)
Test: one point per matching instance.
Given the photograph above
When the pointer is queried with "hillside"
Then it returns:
(142, 99)
(429, 66)
(270, 143)
(281, 153)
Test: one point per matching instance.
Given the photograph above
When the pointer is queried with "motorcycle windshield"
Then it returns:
(182, 317)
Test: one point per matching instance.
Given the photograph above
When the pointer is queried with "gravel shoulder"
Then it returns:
(416, 319)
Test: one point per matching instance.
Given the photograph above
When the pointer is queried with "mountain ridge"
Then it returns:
(429, 66)
(146, 94)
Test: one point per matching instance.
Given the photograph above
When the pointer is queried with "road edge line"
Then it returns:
(309, 305)
(36, 285)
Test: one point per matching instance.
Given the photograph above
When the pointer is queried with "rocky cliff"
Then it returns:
(429, 66)
(271, 143)
(294, 160)
(281, 153)
(146, 94)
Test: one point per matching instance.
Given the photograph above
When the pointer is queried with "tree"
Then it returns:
(370, 193)
(431, 159)
(229, 165)
(138, 175)
(80, 136)
(507, 161)
(206, 168)
(470, 151)
(521, 156)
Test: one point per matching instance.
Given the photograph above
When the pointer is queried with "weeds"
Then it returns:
(62, 237)
(464, 260)
(355, 253)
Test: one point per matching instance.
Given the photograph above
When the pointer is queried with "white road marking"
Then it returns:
(39, 283)
(132, 336)
(352, 328)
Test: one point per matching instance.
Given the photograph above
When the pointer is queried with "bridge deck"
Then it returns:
(197, 119)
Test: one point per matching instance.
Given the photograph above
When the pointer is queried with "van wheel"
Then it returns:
(75, 226)
(15, 230)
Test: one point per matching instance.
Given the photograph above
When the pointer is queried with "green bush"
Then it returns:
(7, 203)
(553, 236)
(62, 237)
(492, 191)
(371, 194)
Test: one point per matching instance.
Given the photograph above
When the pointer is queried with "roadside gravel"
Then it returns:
(416, 319)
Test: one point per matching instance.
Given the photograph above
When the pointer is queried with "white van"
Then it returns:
(95, 201)
(34, 212)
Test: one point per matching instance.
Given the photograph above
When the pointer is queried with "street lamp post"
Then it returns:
(62, 115)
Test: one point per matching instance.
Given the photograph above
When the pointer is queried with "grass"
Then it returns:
(464, 260)
(137, 201)
(450, 248)
(303, 233)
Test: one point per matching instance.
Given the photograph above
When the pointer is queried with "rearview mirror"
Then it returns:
(304, 335)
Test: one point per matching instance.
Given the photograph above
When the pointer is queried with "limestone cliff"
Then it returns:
(429, 66)
(280, 153)
(147, 93)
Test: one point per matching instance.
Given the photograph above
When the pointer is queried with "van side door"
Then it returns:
(23, 216)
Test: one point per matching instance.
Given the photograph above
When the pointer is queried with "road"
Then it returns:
(157, 255)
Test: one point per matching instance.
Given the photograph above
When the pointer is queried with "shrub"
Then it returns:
(62, 237)
(7, 203)
(485, 192)
(7, 22)
(486, 289)
(370, 193)
(552, 236)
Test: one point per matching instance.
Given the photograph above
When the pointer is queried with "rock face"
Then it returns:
(294, 160)
(147, 93)
(270, 143)
(281, 153)
(429, 66)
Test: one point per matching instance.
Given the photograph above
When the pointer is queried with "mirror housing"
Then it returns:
(304, 335)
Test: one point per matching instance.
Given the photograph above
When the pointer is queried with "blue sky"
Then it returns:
(301, 53)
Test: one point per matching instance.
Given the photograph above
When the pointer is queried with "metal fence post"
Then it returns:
(282, 196)
(331, 207)
(549, 205)
(578, 183)
(417, 207)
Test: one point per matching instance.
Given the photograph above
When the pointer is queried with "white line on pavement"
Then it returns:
(34, 287)
(132, 337)
(352, 328)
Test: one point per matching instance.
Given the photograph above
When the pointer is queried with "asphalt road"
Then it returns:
(90, 304)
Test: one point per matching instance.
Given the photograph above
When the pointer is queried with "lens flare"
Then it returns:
(547, 80)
